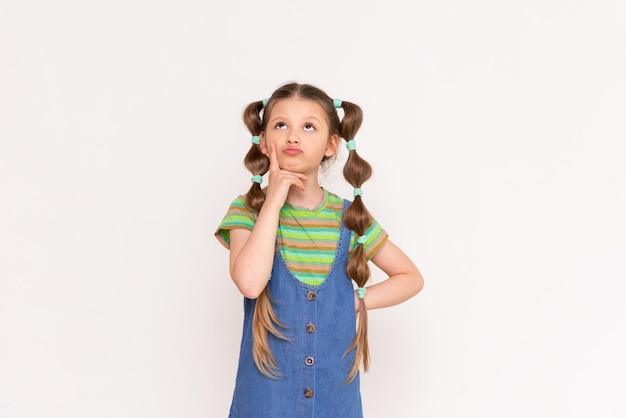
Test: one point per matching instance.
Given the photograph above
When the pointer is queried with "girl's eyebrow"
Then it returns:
(274, 119)
(279, 117)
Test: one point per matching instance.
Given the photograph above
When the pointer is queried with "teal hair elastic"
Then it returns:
(265, 102)
(351, 145)
(337, 103)
(257, 179)
(362, 240)
(361, 292)
(358, 192)
(256, 140)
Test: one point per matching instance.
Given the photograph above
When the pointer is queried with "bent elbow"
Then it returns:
(249, 283)
(250, 292)
(418, 283)
(249, 288)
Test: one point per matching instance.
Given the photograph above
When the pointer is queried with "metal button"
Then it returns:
(309, 361)
(311, 296)
(310, 328)
(308, 393)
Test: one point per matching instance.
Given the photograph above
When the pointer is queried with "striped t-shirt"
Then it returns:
(307, 239)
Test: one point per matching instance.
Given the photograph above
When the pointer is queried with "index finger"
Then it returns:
(273, 159)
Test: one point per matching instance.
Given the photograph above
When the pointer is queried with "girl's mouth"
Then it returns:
(292, 151)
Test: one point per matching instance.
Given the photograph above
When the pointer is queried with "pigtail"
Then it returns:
(255, 161)
(264, 322)
(264, 319)
(357, 218)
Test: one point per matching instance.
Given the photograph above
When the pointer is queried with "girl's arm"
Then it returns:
(252, 252)
(404, 282)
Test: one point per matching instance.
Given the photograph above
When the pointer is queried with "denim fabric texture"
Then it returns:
(320, 324)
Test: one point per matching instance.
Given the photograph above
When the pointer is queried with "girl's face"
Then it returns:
(299, 129)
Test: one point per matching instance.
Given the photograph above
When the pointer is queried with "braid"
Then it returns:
(357, 218)
(255, 161)
(264, 320)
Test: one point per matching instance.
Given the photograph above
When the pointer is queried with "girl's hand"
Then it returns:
(280, 181)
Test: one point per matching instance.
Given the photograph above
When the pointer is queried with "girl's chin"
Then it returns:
(291, 166)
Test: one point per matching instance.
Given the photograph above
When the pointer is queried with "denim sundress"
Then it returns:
(320, 324)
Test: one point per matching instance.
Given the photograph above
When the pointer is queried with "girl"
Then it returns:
(295, 250)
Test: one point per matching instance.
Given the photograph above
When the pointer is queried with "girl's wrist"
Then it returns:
(271, 207)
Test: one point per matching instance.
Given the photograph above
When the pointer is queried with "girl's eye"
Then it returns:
(309, 127)
(281, 125)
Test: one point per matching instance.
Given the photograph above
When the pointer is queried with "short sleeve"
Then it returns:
(237, 217)
(376, 237)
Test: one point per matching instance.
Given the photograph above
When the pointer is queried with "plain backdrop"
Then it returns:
(496, 131)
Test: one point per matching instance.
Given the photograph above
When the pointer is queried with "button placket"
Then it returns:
(310, 343)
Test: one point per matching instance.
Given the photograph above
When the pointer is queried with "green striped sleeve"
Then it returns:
(237, 217)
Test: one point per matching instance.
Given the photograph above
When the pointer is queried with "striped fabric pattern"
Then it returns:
(306, 238)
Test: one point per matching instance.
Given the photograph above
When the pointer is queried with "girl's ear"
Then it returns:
(331, 146)
(263, 143)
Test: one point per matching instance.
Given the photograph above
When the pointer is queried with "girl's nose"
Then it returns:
(293, 138)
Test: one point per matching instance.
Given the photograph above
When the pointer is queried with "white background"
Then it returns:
(496, 130)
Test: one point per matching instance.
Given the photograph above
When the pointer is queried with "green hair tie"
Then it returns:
(362, 240)
(358, 192)
(351, 145)
(256, 140)
(337, 103)
(361, 292)
(257, 179)
(265, 102)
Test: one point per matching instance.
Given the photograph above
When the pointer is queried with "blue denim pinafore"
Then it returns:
(320, 324)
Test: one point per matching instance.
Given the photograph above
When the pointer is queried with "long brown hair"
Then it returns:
(356, 217)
